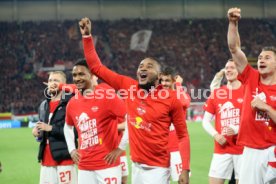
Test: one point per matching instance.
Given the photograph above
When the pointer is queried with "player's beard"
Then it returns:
(149, 85)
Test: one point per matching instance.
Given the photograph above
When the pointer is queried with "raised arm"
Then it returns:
(216, 82)
(112, 78)
(233, 39)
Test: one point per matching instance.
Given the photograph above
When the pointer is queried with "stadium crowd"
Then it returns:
(195, 48)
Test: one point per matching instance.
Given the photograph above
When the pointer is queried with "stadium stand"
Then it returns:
(196, 48)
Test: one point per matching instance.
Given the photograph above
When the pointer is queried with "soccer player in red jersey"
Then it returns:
(170, 80)
(225, 103)
(258, 121)
(93, 111)
(215, 84)
(72, 88)
(150, 111)
(56, 163)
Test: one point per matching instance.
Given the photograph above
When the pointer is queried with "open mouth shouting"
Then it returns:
(143, 77)
(262, 66)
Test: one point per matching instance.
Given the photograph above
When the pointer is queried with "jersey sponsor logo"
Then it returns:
(95, 108)
(239, 100)
(139, 123)
(141, 110)
(139, 120)
(89, 132)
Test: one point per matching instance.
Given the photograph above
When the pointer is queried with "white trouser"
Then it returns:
(144, 174)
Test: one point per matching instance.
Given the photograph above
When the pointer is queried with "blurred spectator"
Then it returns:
(195, 48)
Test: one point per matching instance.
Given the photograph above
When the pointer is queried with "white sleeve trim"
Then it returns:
(124, 140)
(69, 137)
(206, 123)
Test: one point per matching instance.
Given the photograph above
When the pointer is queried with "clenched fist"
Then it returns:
(85, 26)
(234, 14)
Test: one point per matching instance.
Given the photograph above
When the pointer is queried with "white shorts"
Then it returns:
(144, 174)
(270, 176)
(254, 165)
(109, 175)
(58, 175)
(124, 165)
(222, 166)
(175, 165)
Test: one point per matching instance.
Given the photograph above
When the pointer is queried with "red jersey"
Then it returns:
(47, 159)
(185, 99)
(95, 119)
(149, 116)
(226, 105)
(257, 130)
(119, 119)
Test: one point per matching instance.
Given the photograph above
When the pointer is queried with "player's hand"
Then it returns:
(111, 157)
(35, 132)
(220, 139)
(230, 131)
(179, 79)
(85, 26)
(43, 126)
(220, 74)
(184, 177)
(234, 14)
(75, 156)
(257, 103)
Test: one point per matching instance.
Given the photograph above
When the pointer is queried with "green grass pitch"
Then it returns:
(18, 154)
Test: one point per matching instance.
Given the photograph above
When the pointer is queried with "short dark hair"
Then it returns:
(156, 62)
(81, 62)
(168, 71)
(270, 48)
